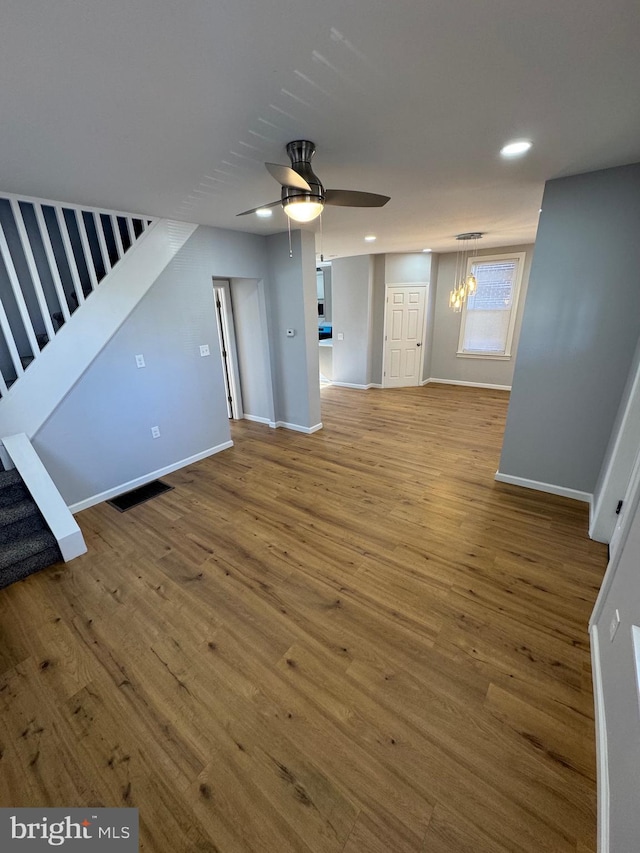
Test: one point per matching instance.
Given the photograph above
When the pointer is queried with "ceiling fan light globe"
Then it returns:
(303, 211)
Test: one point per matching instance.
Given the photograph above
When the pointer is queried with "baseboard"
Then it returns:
(297, 427)
(258, 420)
(466, 384)
(354, 385)
(550, 488)
(602, 756)
(147, 478)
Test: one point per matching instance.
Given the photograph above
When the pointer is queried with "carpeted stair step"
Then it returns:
(28, 565)
(12, 489)
(20, 520)
(26, 547)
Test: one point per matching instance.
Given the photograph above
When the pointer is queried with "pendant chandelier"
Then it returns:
(465, 284)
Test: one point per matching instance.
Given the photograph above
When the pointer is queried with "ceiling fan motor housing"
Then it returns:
(300, 153)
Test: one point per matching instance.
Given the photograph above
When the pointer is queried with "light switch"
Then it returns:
(340, 336)
(140, 361)
(204, 350)
(155, 432)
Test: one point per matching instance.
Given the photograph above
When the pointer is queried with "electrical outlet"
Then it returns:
(614, 625)
(340, 336)
(204, 350)
(140, 361)
(291, 333)
(155, 432)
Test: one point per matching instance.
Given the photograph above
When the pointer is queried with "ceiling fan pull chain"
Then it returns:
(290, 249)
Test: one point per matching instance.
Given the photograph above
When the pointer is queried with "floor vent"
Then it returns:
(138, 496)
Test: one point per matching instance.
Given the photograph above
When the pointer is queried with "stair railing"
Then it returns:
(52, 258)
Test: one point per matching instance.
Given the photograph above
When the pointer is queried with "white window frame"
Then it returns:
(512, 256)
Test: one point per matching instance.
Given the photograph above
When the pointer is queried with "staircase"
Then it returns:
(52, 258)
(26, 543)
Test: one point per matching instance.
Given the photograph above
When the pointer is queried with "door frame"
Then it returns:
(227, 339)
(406, 284)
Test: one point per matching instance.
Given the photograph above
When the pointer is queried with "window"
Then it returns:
(489, 315)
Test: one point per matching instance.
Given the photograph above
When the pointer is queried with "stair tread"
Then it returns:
(35, 563)
(26, 547)
(17, 511)
(9, 478)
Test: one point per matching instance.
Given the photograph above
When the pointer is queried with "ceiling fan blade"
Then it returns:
(260, 207)
(286, 176)
(353, 198)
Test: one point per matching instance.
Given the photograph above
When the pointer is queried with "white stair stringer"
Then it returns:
(32, 400)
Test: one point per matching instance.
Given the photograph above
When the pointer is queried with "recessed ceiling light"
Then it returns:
(370, 238)
(264, 212)
(426, 250)
(515, 149)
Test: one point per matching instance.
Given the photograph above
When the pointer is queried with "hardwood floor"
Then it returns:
(353, 641)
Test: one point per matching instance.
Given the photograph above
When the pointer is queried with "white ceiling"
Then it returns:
(170, 107)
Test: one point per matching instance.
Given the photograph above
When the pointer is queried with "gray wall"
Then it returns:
(579, 332)
(99, 437)
(293, 304)
(352, 294)
(445, 364)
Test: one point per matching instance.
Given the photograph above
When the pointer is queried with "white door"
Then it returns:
(404, 332)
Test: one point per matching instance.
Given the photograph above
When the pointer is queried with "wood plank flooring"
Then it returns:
(350, 642)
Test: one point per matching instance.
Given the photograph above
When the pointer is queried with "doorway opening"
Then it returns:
(228, 351)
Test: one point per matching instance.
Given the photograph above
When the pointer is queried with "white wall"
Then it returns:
(580, 328)
(445, 363)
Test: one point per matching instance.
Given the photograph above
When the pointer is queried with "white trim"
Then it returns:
(466, 384)
(258, 420)
(86, 248)
(46, 496)
(11, 345)
(227, 333)
(68, 252)
(602, 753)
(33, 268)
(296, 427)
(618, 540)
(626, 435)
(515, 295)
(51, 259)
(50, 203)
(102, 241)
(147, 478)
(117, 236)
(493, 356)
(17, 292)
(353, 385)
(550, 488)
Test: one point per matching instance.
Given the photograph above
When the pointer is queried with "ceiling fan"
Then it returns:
(303, 196)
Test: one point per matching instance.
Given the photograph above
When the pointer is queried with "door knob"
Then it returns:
(418, 345)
